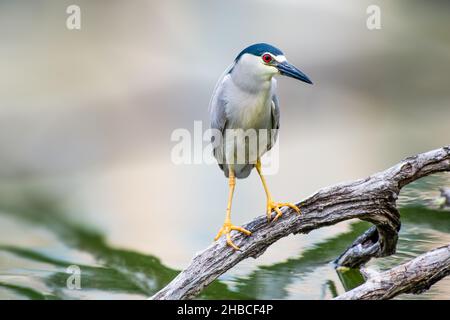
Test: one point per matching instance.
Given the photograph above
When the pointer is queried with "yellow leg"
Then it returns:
(227, 226)
(271, 205)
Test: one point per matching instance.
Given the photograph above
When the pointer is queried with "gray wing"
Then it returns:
(218, 116)
(218, 102)
(275, 121)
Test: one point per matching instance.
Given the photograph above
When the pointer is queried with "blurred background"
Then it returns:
(86, 116)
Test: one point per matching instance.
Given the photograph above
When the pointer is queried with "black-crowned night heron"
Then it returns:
(245, 99)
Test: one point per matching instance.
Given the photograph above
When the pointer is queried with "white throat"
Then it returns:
(251, 75)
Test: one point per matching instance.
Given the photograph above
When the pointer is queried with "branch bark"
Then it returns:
(414, 276)
(371, 199)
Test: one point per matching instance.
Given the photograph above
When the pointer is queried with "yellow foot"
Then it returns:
(271, 205)
(226, 229)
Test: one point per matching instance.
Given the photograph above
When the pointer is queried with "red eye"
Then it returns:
(267, 58)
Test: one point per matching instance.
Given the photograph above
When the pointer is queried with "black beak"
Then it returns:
(287, 69)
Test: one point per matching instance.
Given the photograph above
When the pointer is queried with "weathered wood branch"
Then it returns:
(371, 199)
(414, 276)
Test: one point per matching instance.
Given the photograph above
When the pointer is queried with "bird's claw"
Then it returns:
(271, 205)
(226, 229)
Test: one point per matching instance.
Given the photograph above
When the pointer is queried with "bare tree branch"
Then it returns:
(371, 199)
(414, 276)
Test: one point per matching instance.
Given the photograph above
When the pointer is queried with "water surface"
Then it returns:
(40, 241)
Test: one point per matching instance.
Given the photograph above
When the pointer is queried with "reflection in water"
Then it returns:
(122, 271)
(350, 278)
(331, 287)
(116, 273)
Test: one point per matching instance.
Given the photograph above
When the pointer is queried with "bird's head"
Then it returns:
(262, 60)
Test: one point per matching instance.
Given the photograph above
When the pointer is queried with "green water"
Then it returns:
(108, 272)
